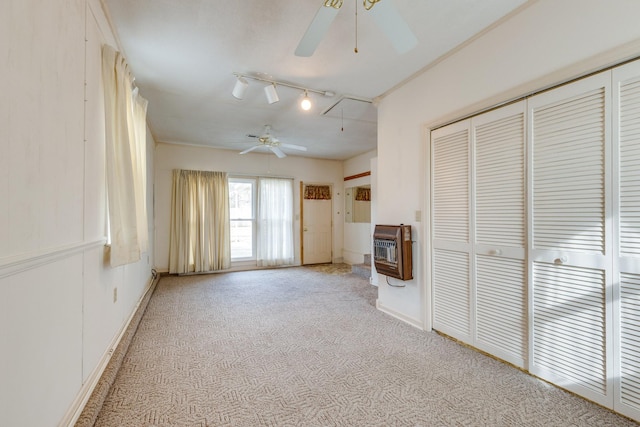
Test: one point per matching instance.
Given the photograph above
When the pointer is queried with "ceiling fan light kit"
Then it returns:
(272, 143)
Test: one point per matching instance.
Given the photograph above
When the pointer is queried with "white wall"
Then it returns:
(58, 319)
(357, 236)
(547, 42)
(170, 156)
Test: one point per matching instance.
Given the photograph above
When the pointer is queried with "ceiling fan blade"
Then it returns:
(293, 146)
(278, 152)
(252, 136)
(387, 17)
(250, 149)
(316, 31)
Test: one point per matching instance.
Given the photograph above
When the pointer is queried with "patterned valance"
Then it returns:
(317, 192)
(363, 194)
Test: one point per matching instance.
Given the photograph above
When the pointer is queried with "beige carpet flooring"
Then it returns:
(300, 347)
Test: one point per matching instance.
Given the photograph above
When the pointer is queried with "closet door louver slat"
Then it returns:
(629, 154)
(501, 307)
(499, 182)
(630, 339)
(570, 326)
(452, 298)
(451, 187)
(568, 192)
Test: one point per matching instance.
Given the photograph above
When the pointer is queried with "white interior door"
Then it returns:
(479, 268)
(499, 213)
(570, 238)
(626, 104)
(317, 233)
(451, 231)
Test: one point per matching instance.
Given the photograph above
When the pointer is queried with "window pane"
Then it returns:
(242, 218)
(240, 200)
(241, 239)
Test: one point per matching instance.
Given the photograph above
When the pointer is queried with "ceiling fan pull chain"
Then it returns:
(356, 48)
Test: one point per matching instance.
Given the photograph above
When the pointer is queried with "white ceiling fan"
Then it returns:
(272, 143)
(384, 13)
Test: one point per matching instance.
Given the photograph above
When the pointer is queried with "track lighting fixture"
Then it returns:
(305, 104)
(270, 90)
(240, 88)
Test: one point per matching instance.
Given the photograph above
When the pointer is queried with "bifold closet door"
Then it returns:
(451, 201)
(626, 136)
(499, 213)
(570, 237)
(479, 279)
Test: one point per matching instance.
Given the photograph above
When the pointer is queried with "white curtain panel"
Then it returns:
(200, 235)
(275, 222)
(126, 174)
(138, 134)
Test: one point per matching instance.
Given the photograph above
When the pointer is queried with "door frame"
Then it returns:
(301, 230)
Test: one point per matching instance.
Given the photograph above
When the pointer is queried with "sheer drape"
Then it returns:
(199, 222)
(275, 222)
(125, 145)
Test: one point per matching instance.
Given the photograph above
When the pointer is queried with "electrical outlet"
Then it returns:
(418, 216)
(115, 294)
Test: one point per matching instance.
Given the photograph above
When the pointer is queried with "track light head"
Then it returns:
(305, 104)
(240, 88)
(270, 92)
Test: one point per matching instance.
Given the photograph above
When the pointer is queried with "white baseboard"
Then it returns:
(406, 319)
(76, 408)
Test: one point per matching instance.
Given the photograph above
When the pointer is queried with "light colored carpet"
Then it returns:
(330, 268)
(297, 347)
(93, 406)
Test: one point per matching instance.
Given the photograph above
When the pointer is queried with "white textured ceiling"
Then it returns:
(183, 54)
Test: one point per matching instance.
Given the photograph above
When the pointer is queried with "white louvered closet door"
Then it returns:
(499, 204)
(452, 297)
(626, 136)
(570, 238)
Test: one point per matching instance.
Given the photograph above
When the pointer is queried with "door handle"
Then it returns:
(305, 229)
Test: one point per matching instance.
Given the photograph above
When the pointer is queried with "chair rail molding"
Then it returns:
(10, 266)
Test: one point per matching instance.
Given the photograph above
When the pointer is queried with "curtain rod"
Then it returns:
(246, 175)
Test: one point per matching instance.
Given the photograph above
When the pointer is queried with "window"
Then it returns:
(275, 222)
(261, 220)
(242, 216)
